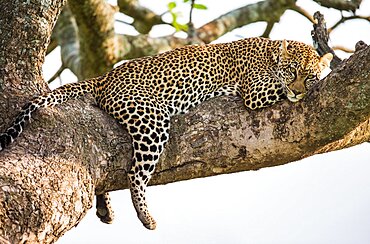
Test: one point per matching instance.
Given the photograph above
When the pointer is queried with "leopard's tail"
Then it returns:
(50, 99)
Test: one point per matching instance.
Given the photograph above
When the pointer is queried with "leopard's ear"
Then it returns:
(284, 49)
(325, 60)
(282, 53)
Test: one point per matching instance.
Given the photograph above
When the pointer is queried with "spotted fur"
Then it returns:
(142, 95)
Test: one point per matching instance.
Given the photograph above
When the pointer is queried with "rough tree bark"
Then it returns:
(49, 176)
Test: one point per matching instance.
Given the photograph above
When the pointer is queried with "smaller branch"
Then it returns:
(191, 11)
(320, 37)
(343, 19)
(123, 22)
(143, 45)
(340, 4)
(57, 74)
(66, 34)
(344, 49)
(144, 18)
(52, 45)
(303, 12)
(191, 29)
(268, 29)
(269, 11)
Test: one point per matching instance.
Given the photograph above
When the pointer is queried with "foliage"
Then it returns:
(172, 9)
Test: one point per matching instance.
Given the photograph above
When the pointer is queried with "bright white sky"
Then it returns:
(322, 199)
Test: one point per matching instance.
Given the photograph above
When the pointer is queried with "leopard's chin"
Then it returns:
(295, 98)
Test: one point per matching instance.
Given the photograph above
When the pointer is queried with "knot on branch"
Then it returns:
(360, 45)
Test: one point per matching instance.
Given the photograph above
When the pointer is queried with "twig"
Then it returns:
(123, 22)
(57, 74)
(343, 19)
(320, 37)
(344, 49)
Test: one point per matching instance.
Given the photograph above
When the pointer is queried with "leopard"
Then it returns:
(142, 94)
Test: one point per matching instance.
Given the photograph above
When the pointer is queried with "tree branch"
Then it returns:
(139, 46)
(268, 29)
(57, 74)
(344, 19)
(303, 12)
(201, 145)
(97, 39)
(268, 11)
(142, 45)
(66, 34)
(52, 45)
(340, 4)
(144, 18)
(344, 49)
(320, 37)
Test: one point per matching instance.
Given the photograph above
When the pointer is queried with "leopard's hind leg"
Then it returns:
(149, 138)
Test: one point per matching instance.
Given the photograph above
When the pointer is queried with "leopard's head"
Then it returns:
(299, 68)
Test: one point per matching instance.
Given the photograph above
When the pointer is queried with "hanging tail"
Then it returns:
(55, 97)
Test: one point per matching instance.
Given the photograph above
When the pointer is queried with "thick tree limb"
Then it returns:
(22, 50)
(357, 136)
(221, 136)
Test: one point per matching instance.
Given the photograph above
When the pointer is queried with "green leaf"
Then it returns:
(185, 1)
(200, 6)
(171, 5)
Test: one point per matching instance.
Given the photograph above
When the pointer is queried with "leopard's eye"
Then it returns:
(311, 77)
(293, 72)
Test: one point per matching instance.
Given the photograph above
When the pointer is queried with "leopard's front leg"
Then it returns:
(104, 209)
(138, 178)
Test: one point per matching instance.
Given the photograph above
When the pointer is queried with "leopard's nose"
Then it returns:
(297, 87)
